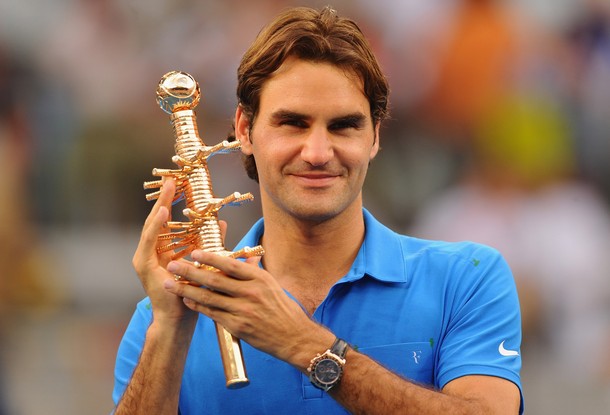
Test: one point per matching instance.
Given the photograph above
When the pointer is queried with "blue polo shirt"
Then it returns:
(430, 311)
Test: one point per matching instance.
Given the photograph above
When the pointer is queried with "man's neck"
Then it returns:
(308, 255)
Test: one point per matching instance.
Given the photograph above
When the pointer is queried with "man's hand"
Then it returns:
(151, 266)
(250, 303)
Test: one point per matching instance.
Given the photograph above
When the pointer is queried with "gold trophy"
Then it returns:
(178, 94)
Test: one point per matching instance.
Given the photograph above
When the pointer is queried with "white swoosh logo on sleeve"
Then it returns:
(505, 352)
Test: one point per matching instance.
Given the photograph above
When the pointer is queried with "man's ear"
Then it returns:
(375, 147)
(242, 130)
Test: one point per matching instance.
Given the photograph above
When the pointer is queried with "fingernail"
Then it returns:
(169, 284)
(172, 267)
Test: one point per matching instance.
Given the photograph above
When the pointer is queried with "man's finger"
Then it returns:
(223, 229)
(254, 260)
(148, 240)
(230, 266)
(181, 268)
(168, 190)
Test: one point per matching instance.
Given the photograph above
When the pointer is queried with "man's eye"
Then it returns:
(293, 123)
(343, 125)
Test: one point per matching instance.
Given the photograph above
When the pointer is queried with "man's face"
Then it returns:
(312, 140)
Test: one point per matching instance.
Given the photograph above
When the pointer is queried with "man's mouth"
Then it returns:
(317, 179)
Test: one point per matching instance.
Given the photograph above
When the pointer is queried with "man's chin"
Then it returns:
(316, 213)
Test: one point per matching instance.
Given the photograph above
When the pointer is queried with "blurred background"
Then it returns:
(499, 134)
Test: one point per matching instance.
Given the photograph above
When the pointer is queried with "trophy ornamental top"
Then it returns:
(177, 91)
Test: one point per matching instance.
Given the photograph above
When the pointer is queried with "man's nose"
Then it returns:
(317, 149)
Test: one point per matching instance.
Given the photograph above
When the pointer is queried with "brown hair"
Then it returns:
(309, 34)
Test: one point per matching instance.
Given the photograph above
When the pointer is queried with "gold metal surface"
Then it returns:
(178, 94)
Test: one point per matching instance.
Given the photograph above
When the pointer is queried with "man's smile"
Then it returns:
(315, 179)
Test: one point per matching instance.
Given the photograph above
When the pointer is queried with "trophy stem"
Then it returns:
(232, 359)
(198, 195)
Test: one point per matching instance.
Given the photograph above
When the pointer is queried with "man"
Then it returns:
(414, 327)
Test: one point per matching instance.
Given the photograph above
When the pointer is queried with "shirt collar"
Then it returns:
(381, 255)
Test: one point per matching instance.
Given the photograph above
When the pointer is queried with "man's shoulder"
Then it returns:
(413, 246)
(406, 257)
(458, 249)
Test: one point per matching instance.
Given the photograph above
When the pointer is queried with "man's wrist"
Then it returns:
(176, 331)
(309, 342)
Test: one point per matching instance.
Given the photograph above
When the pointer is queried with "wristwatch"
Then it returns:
(326, 369)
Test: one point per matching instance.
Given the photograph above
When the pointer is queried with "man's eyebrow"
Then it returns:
(287, 115)
(356, 118)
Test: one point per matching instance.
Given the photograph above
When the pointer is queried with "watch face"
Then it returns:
(327, 371)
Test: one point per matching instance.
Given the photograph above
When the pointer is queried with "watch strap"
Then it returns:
(339, 348)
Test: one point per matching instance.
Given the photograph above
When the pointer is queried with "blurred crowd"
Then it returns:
(500, 133)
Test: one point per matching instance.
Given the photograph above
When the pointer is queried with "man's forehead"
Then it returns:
(292, 61)
(299, 83)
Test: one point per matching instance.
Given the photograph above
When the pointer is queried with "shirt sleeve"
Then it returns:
(131, 347)
(483, 326)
